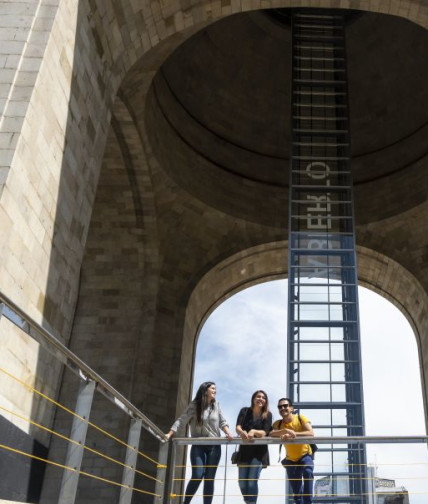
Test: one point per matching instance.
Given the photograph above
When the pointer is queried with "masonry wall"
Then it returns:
(47, 187)
(61, 65)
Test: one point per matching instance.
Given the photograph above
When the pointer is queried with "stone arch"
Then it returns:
(135, 42)
(129, 33)
(266, 262)
(133, 59)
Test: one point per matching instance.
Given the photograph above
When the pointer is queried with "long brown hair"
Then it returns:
(265, 409)
(201, 400)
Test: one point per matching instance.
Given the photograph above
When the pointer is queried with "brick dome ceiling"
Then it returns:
(221, 102)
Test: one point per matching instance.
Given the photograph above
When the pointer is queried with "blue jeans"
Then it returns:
(301, 478)
(204, 459)
(249, 474)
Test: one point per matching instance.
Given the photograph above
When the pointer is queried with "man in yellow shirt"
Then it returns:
(298, 463)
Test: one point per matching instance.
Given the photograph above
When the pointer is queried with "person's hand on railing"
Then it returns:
(229, 435)
(288, 434)
(242, 433)
(250, 435)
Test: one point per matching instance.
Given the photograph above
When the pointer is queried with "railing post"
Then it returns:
(225, 476)
(161, 484)
(70, 479)
(128, 474)
(371, 485)
(288, 496)
(169, 485)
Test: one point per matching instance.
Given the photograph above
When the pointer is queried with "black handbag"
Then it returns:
(314, 449)
(234, 458)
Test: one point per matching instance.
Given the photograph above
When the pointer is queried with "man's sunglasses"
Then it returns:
(282, 406)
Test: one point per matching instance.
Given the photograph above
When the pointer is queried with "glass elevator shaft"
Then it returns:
(324, 357)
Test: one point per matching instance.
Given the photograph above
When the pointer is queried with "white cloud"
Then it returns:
(242, 347)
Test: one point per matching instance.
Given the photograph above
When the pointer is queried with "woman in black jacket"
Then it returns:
(253, 422)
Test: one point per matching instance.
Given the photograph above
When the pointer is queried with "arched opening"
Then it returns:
(247, 334)
(268, 262)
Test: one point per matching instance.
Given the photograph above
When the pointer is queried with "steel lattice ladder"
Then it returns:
(324, 357)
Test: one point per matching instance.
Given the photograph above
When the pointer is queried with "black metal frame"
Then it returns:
(324, 355)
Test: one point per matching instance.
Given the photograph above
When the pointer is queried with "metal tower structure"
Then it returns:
(324, 358)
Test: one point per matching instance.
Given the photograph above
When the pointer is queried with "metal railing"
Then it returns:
(169, 479)
(273, 481)
(90, 382)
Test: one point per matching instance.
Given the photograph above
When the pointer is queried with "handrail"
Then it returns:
(18, 317)
(352, 482)
(301, 440)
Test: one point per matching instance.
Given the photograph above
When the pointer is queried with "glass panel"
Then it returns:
(322, 272)
(341, 485)
(312, 312)
(315, 201)
(340, 461)
(319, 393)
(318, 201)
(338, 393)
(323, 313)
(338, 372)
(335, 294)
(336, 312)
(311, 293)
(318, 293)
(339, 416)
(318, 260)
(323, 461)
(337, 351)
(340, 432)
(314, 333)
(320, 222)
(314, 351)
(322, 241)
(318, 417)
(324, 432)
(337, 333)
(314, 372)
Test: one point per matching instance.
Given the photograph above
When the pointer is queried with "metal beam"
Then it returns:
(128, 474)
(79, 428)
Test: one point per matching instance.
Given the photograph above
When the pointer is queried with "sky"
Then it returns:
(242, 348)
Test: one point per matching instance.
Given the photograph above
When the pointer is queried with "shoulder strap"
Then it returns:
(278, 427)
(313, 447)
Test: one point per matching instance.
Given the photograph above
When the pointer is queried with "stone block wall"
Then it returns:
(49, 163)
(25, 28)
(61, 65)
